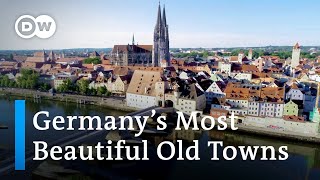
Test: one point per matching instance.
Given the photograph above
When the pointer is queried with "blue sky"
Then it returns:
(192, 23)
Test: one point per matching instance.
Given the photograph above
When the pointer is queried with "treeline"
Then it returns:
(82, 87)
(256, 53)
(280, 54)
(204, 54)
(27, 79)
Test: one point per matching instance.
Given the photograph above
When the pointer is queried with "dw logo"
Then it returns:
(43, 26)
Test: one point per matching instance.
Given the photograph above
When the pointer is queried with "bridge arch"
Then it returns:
(168, 103)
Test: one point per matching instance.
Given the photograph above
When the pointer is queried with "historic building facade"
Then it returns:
(131, 54)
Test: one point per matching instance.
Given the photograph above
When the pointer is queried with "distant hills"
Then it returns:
(106, 50)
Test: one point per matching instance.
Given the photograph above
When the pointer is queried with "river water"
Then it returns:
(303, 161)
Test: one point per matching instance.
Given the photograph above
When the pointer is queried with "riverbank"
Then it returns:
(286, 135)
(272, 133)
(116, 103)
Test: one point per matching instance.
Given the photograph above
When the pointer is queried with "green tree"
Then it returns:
(95, 60)
(108, 93)
(101, 90)
(93, 91)
(5, 81)
(28, 79)
(83, 86)
(66, 86)
(44, 87)
(12, 84)
(205, 54)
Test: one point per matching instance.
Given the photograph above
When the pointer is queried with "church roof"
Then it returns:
(132, 48)
(146, 47)
(35, 59)
(121, 71)
(39, 54)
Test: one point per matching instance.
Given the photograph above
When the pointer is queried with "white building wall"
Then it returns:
(295, 57)
(189, 105)
(279, 110)
(186, 105)
(278, 124)
(267, 109)
(226, 68)
(295, 94)
(253, 108)
(213, 91)
(238, 111)
(140, 101)
(238, 103)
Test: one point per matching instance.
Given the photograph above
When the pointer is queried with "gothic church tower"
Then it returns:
(161, 40)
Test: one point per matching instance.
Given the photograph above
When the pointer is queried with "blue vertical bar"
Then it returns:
(19, 134)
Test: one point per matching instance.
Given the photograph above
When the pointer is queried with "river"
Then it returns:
(303, 161)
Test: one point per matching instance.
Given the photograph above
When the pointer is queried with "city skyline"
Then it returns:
(207, 24)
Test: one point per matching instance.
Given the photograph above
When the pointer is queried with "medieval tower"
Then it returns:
(295, 56)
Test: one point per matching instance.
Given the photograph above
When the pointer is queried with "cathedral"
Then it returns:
(131, 54)
(161, 54)
(157, 55)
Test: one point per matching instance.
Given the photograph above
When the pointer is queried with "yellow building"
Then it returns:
(290, 109)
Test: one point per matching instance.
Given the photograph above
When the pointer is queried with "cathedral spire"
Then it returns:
(161, 40)
(133, 39)
(158, 25)
(164, 20)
